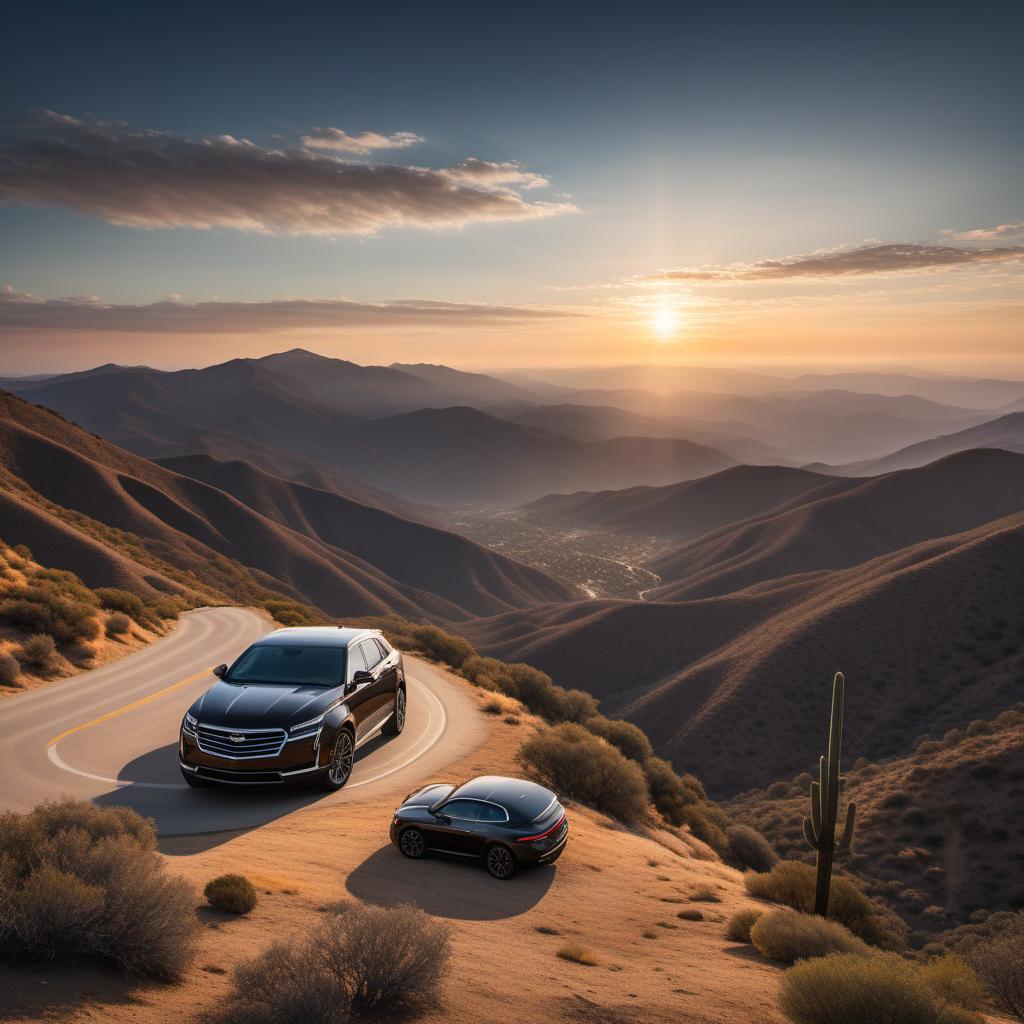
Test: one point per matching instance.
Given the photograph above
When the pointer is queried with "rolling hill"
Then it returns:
(737, 686)
(681, 510)
(1006, 432)
(115, 518)
(846, 522)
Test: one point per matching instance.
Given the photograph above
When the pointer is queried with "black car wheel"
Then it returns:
(342, 756)
(396, 723)
(501, 863)
(412, 843)
(196, 781)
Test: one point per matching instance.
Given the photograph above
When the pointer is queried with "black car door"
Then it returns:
(377, 697)
(357, 691)
(455, 832)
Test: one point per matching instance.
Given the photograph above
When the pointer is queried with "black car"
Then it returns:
(294, 708)
(506, 823)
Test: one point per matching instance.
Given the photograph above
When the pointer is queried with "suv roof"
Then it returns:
(316, 636)
(515, 795)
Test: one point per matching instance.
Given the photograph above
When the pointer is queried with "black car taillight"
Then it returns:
(543, 835)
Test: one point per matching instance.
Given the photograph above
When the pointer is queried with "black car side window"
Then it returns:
(492, 812)
(356, 662)
(370, 653)
(463, 810)
(383, 647)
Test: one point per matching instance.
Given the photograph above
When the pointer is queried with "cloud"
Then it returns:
(874, 258)
(1000, 233)
(153, 179)
(360, 144)
(20, 311)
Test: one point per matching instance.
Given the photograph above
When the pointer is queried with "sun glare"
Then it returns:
(665, 319)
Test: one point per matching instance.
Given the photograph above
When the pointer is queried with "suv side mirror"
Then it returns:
(441, 816)
(359, 677)
(220, 671)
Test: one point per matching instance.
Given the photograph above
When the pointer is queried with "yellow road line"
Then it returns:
(127, 707)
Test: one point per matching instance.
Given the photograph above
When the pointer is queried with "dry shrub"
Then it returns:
(705, 894)
(9, 669)
(577, 953)
(118, 624)
(748, 850)
(682, 801)
(48, 609)
(442, 646)
(788, 935)
(84, 882)
(577, 764)
(952, 980)
(631, 740)
(116, 600)
(691, 914)
(792, 882)
(737, 928)
(999, 961)
(361, 963)
(291, 613)
(530, 686)
(844, 988)
(234, 894)
(38, 654)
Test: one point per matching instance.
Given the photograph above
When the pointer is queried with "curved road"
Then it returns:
(111, 735)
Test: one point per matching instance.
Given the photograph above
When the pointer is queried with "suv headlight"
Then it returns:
(189, 724)
(313, 725)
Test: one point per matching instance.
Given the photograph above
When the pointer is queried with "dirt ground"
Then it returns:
(616, 892)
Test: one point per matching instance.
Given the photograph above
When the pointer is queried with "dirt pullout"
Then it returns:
(608, 890)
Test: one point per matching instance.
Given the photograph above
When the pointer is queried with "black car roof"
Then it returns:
(314, 636)
(515, 795)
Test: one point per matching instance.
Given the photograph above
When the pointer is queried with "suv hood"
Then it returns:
(262, 705)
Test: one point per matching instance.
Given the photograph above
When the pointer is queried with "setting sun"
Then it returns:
(665, 319)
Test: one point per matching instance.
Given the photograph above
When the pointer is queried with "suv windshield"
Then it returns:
(301, 666)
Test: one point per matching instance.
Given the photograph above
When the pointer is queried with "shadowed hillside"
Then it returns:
(933, 836)
(846, 522)
(683, 510)
(930, 635)
(76, 496)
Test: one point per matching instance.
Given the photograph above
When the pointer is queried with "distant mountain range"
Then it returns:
(119, 520)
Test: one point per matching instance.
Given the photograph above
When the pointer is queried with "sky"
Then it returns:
(760, 185)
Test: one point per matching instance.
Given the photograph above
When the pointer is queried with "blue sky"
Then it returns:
(683, 138)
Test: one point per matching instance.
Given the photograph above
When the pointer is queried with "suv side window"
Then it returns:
(355, 660)
(463, 810)
(492, 812)
(370, 653)
(384, 649)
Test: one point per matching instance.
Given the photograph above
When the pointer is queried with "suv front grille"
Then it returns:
(241, 743)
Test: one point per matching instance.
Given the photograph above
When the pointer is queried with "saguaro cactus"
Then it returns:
(820, 827)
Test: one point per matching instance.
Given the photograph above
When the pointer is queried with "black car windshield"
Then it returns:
(291, 663)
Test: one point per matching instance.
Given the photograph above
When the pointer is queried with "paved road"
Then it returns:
(111, 735)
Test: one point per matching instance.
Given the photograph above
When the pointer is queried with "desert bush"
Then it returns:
(792, 882)
(789, 935)
(362, 963)
(292, 613)
(577, 953)
(234, 894)
(737, 928)
(442, 646)
(38, 654)
(168, 607)
(118, 624)
(682, 801)
(9, 669)
(532, 687)
(844, 988)
(952, 980)
(747, 849)
(37, 609)
(705, 894)
(690, 914)
(581, 766)
(84, 882)
(115, 600)
(999, 961)
(630, 739)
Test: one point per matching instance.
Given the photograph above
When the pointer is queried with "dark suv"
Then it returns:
(294, 708)
(506, 823)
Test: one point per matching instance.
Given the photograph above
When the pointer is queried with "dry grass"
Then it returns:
(690, 915)
(234, 894)
(704, 894)
(577, 953)
(737, 928)
(365, 963)
(788, 935)
(850, 989)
